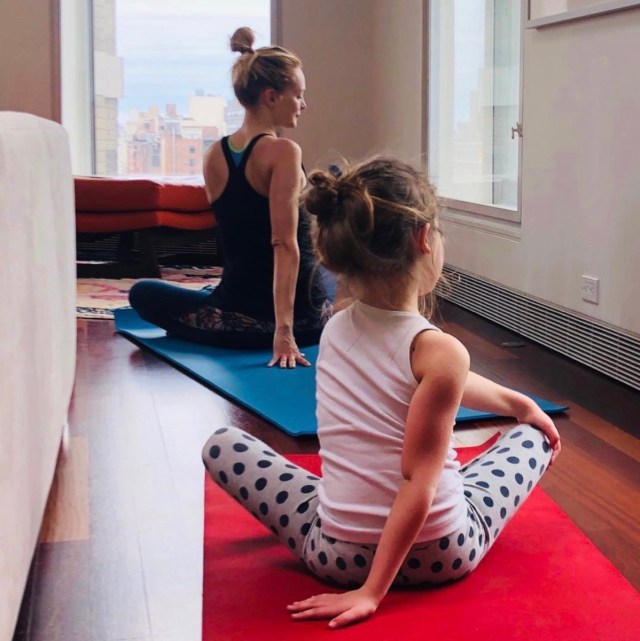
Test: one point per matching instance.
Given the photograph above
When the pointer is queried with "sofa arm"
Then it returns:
(37, 334)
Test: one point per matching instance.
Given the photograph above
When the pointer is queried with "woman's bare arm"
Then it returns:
(284, 193)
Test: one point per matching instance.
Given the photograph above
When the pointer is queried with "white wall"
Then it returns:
(363, 64)
(581, 145)
(580, 187)
(334, 39)
(398, 78)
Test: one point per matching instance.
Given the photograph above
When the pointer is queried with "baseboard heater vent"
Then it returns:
(602, 347)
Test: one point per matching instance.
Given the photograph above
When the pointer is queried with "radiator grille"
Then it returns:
(604, 348)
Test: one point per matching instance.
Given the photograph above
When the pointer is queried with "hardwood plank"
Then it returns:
(169, 548)
(114, 417)
(610, 495)
(605, 431)
(602, 502)
(609, 459)
(23, 624)
(143, 425)
(607, 538)
(66, 516)
(117, 588)
(60, 610)
(473, 342)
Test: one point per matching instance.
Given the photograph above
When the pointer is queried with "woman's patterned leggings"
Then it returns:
(283, 496)
(188, 314)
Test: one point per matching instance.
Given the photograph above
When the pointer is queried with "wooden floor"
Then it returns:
(120, 556)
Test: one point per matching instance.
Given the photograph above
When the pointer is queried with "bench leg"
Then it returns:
(148, 258)
(126, 266)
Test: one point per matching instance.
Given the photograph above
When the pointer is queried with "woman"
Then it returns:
(270, 293)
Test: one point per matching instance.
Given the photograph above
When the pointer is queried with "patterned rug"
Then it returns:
(98, 297)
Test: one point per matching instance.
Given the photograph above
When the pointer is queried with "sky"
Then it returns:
(173, 48)
(469, 54)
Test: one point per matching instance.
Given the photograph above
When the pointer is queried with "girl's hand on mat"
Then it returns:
(343, 609)
(533, 415)
(285, 351)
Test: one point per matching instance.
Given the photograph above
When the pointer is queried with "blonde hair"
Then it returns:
(254, 71)
(368, 216)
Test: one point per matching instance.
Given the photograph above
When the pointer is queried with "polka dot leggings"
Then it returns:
(284, 497)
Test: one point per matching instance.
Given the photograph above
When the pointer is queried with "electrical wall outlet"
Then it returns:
(590, 289)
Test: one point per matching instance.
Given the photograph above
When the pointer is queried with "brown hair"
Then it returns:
(368, 216)
(254, 71)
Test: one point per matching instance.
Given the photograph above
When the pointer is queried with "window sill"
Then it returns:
(502, 228)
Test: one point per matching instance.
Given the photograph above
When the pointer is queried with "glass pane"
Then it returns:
(162, 80)
(474, 100)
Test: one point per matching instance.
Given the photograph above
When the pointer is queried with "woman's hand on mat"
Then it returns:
(343, 609)
(533, 415)
(285, 351)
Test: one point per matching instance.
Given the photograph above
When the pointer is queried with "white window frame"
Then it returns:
(476, 211)
(77, 82)
(276, 22)
(594, 9)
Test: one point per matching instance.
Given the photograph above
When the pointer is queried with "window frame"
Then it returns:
(276, 22)
(452, 205)
(597, 8)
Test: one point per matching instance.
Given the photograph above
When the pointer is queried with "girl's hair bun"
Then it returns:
(368, 216)
(335, 197)
(321, 199)
(242, 40)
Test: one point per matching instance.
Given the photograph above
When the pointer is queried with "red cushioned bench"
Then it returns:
(124, 205)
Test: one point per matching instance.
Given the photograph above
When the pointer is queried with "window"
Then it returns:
(162, 82)
(474, 128)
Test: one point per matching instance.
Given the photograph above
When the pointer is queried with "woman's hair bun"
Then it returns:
(242, 40)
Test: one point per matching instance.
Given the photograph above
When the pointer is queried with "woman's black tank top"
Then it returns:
(244, 229)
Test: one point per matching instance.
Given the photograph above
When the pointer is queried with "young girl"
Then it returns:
(393, 505)
(270, 293)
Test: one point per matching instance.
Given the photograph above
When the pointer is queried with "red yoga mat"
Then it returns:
(542, 581)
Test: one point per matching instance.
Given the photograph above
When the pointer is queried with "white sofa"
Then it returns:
(37, 335)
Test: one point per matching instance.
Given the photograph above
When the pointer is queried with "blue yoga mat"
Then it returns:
(284, 397)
